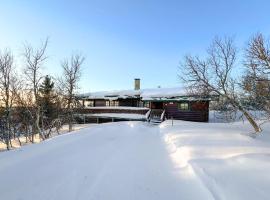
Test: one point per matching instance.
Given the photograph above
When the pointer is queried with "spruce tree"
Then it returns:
(47, 101)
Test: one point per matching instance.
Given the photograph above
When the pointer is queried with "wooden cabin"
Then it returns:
(195, 110)
(174, 103)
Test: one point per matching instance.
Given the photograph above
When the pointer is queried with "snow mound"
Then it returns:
(229, 164)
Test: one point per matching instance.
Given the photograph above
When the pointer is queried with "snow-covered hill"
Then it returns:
(135, 160)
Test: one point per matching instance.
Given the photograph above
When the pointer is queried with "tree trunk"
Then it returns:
(249, 118)
(36, 125)
(33, 133)
(246, 114)
(19, 140)
(70, 115)
(251, 121)
(70, 122)
(7, 142)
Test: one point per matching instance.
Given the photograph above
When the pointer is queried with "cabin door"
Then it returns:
(157, 105)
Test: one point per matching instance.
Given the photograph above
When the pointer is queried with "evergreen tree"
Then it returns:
(47, 99)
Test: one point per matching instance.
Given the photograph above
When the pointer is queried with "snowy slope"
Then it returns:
(227, 161)
(134, 160)
(111, 161)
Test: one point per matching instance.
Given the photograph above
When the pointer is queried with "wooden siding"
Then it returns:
(129, 102)
(198, 112)
(122, 102)
(99, 102)
(157, 105)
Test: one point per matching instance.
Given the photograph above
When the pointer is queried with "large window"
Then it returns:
(112, 103)
(90, 103)
(116, 103)
(183, 106)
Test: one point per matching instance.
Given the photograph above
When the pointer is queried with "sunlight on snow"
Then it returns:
(131, 124)
(179, 156)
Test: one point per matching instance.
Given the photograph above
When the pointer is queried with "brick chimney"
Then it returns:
(137, 84)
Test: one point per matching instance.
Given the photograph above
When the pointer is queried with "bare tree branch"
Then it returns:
(69, 82)
(213, 75)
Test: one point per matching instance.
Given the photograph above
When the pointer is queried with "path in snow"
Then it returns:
(120, 161)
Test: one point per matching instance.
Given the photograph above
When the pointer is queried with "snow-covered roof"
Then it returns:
(111, 94)
(143, 93)
(163, 92)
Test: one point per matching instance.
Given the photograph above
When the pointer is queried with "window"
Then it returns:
(140, 104)
(90, 104)
(183, 106)
(147, 104)
(113, 103)
(107, 103)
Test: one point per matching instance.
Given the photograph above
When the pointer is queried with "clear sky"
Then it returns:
(123, 39)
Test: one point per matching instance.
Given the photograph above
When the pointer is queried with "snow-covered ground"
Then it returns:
(119, 116)
(221, 157)
(117, 108)
(37, 139)
(135, 160)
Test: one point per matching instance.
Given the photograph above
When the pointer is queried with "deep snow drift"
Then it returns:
(222, 157)
(135, 160)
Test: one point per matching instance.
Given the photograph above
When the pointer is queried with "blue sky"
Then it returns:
(123, 40)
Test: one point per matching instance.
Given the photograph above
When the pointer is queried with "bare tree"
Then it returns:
(34, 60)
(258, 54)
(6, 81)
(25, 112)
(257, 81)
(213, 75)
(69, 83)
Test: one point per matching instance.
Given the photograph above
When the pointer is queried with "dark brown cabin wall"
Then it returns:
(128, 102)
(199, 105)
(190, 115)
(157, 105)
(99, 102)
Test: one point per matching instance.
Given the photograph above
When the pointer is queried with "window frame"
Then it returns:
(116, 103)
(90, 103)
(183, 106)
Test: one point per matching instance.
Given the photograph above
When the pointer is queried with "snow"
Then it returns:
(223, 157)
(136, 160)
(63, 130)
(223, 116)
(144, 93)
(119, 115)
(111, 94)
(118, 108)
(147, 115)
(163, 92)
